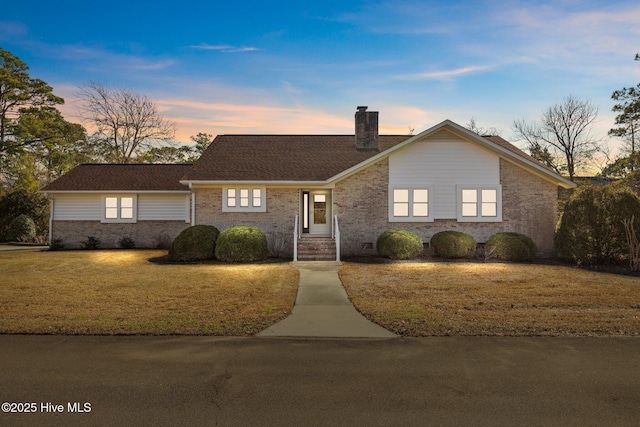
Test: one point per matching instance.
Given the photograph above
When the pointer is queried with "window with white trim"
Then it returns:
(410, 204)
(119, 208)
(479, 204)
(244, 199)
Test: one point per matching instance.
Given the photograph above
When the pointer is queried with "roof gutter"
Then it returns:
(256, 182)
(47, 192)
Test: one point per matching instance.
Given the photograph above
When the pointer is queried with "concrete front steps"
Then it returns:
(316, 249)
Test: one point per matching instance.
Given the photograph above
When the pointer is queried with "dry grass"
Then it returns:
(122, 292)
(442, 299)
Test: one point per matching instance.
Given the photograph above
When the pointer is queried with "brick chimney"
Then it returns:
(366, 129)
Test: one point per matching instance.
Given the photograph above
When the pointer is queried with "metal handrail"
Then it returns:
(295, 240)
(337, 237)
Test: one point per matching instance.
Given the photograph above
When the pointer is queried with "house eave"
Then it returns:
(261, 183)
(115, 191)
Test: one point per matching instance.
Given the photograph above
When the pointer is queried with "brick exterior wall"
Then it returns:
(145, 234)
(283, 204)
(361, 204)
(529, 206)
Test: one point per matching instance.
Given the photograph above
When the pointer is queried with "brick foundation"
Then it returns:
(145, 234)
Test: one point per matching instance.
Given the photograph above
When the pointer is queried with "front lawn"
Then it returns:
(454, 298)
(122, 292)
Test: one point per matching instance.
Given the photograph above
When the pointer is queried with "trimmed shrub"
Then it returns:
(195, 243)
(399, 244)
(453, 244)
(56, 245)
(126, 243)
(91, 243)
(509, 246)
(242, 243)
(22, 229)
(591, 231)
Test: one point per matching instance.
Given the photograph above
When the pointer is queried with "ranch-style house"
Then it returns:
(308, 193)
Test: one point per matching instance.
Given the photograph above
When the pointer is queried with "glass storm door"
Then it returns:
(316, 215)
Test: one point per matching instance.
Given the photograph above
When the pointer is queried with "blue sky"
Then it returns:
(303, 67)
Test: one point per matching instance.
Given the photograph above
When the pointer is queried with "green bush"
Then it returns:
(242, 243)
(126, 243)
(91, 243)
(453, 244)
(22, 229)
(56, 245)
(194, 244)
(399, 244)
(511, 247)
(31, 203)
(590, 230)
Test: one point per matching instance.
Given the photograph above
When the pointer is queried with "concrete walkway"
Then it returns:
(13, 248)
(322, 308)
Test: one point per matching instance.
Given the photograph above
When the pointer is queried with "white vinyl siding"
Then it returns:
(244, 199)
(163, 207)
(442, 162)
(146, 207)
(77, 207)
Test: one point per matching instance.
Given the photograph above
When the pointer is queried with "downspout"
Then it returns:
(51, 220)
(193, 206)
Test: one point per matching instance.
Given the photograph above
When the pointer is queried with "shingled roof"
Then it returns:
(509, 146)
(282, 157)
(121, 177)
(264, 158)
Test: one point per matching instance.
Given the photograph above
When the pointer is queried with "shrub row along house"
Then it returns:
(318, 188)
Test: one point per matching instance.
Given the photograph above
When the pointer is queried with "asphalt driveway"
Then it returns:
(252, 381)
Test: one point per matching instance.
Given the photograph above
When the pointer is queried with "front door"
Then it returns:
(316, 213)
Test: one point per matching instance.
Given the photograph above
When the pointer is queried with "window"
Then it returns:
(469, 203)
(231, 197)
(319, 209)
(479, 204)
(244, 199)
(420, 203)
(400, 202)
(126, 207)
(489, 206)
(119, 209)
(410, 204)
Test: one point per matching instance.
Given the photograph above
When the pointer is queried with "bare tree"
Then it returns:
(473, 127)
(633, 243)
(126, 123)
(563, 140)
